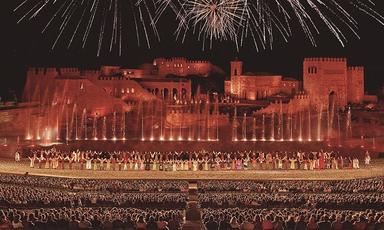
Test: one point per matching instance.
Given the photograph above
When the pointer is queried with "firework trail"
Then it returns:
(262, 20)
(110, 20)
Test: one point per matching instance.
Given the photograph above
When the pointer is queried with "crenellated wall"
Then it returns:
(182, 67)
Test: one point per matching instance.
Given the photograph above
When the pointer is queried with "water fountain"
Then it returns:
(152, 120)
(309, 125)
(300, 126)
(217, 116)
(263, 128)
(199, 120)
(161, 120)
(66, 124)
(254, 136)
(207, 122)
(94, 127)
(114, 126)
(281, 122)
(290, 121)
(330, 118)
(319, 123)
(122, 126)
(234, 126)
(142, 123)
(244, 127)
(104, 128)
(57, 124)
(338, 129)
(180, 138)
(171, 130)
(73, 121)
(83, 124)
(273, 126)
(348, 131)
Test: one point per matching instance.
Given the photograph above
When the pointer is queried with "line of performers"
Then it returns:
(191, 161)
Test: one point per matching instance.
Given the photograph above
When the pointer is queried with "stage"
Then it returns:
(375, 170)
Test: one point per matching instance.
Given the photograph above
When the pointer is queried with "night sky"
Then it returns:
(23, 45)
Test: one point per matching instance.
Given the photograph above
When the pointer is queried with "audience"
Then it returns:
(30, 202)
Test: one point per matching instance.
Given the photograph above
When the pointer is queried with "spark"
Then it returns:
(74, 21)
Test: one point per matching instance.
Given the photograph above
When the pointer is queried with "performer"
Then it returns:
(113, 161)
(101, 163)
(88, 162)
(40, 159)
(356, 163)
(95, 159)
(321, 161)
(55, 161)
(279, 162)
(119, 162)
(108, 164)
(293, 163)
(17, 156)
(61, 161)
(126, 163)
(195, 165)
(32, 159)
(367, 160)
(47, 161)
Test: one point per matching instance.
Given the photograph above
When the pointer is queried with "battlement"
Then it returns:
(68, 70)
(356, 68)
(325, 59)
(302, 95)
(198, 62)
(158, 61)
(90, 72)
(41, 71)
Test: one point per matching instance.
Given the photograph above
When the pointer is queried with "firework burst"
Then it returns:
(111, 20)
(262, 20)
(213, 19)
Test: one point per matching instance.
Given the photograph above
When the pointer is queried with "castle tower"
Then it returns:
(236, 68)
(236, 72)
(355, 83)
(325, 80)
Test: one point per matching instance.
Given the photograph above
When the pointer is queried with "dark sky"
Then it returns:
(23, 45)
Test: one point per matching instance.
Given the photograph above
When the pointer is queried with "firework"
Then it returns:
(76, 20)
(213, 19)
(262, 20)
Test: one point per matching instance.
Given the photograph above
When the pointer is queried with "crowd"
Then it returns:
(91, 218)
(26, 196)
(293, 200)
(213, 219)
(296, 186)
(30, 202)
(193, 161)
(291, 219)
(96, 184)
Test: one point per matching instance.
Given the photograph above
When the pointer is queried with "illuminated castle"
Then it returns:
(331, 81)
(257, 86)
(111, 87)
(327, 81)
